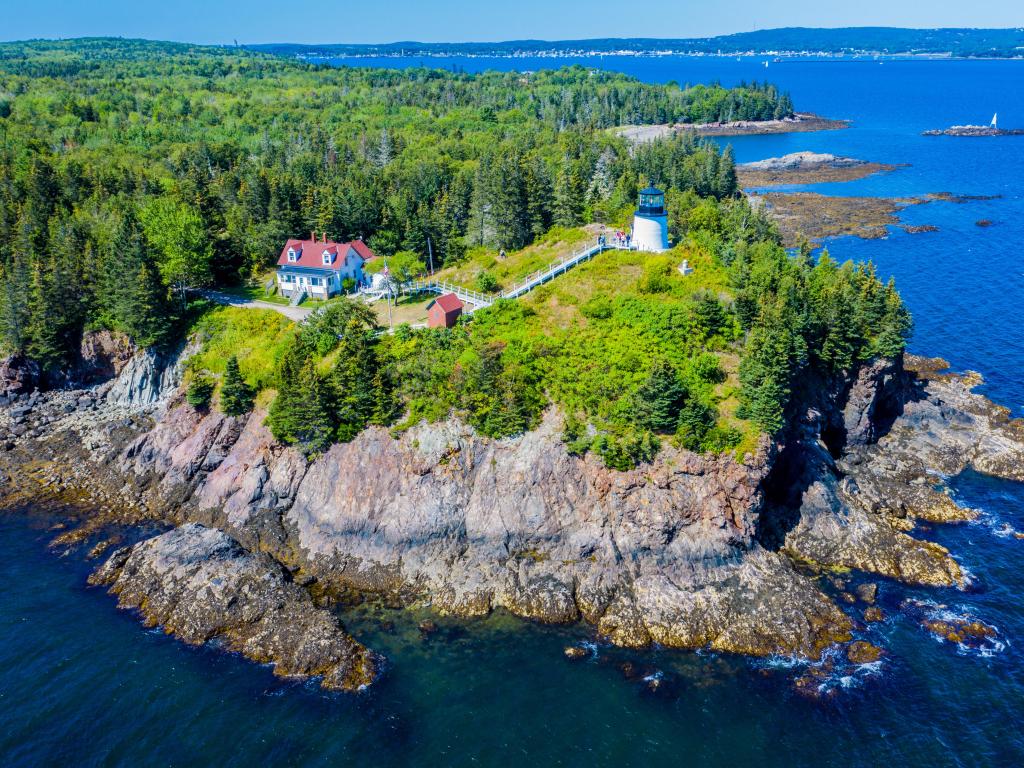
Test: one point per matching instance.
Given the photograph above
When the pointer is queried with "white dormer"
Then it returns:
(291, 255)
(327, 257)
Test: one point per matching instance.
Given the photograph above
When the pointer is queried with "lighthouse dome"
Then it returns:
(650, 224)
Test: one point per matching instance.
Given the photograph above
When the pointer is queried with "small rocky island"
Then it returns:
(974, 130)
(806, 168)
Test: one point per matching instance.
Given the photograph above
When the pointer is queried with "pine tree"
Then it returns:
(726, 183)
(302, 413)
(539, 196)
(510, 204)
(45, 322)
(318, 429)
(200, 391)
(134, 297)
(236, 397)
(14, 309)
(570, 195)
(657, 402)
(353, 378)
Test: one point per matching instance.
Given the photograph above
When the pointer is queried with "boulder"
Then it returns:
(18, 375)
(103, 355)
(868, 592)
(863, 652)
(873, 614)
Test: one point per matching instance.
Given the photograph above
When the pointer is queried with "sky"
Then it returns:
(363, 21)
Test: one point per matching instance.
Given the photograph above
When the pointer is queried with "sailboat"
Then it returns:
(993, 123)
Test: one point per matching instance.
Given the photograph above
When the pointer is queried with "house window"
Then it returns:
(287, 279)
(291, 255)
(327, 257)
(314, 281)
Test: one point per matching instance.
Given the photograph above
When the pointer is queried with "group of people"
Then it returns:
(620, 239)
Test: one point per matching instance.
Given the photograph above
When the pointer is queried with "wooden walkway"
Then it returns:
(478, 300)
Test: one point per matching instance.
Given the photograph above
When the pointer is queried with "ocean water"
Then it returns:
(84, 684)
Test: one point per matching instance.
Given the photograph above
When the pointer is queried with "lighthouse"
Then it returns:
(650, 224)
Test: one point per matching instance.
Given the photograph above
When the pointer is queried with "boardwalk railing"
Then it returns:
(527, 284)
(559, 267)
(466, 295)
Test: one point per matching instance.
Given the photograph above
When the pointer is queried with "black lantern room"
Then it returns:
(652, 202)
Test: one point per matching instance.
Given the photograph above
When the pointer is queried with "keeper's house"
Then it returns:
(319, 267)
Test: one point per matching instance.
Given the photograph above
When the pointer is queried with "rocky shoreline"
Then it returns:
(801, 122)
(815, 217)
(689, 552)
(806, 168)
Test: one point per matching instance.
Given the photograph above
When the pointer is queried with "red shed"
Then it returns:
(444, 311)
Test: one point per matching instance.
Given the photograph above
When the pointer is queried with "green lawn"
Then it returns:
(556, 244)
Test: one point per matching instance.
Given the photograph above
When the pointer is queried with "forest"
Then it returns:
(133, 173)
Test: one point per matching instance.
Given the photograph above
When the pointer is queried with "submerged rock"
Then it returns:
(199, 584)
(873, 614)
(863, 652)
(867, 592)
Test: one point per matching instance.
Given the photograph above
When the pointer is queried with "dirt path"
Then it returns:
(297, 314)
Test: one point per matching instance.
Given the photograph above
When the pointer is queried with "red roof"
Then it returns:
(310, 253)
(449, 303)
(362, 249)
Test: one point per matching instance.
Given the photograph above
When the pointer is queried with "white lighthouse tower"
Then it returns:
(650, 224)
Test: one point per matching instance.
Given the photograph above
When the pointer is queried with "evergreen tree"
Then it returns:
(200, 391)
(302, 412)
(696, 419)
(354, 378)
(510, 205)
(14, 308)
(134, 296)
(236, 397)
(657, 402)
(726, 184)
(570, 195)
(539, 197)
(45, 322)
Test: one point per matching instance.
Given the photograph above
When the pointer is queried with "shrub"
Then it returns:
(487, 283)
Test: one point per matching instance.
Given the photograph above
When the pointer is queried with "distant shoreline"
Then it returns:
(779, 57)
(802, 122)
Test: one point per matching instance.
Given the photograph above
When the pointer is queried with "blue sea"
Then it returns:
(84, 684)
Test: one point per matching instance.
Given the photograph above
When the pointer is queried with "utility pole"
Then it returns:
(430, 253)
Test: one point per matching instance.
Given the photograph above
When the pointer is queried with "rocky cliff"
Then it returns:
(690, 551)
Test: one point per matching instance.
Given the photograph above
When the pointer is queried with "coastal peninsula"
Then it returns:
(806, 168)
(800, 122)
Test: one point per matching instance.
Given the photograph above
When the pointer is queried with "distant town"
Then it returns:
(785, 42)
